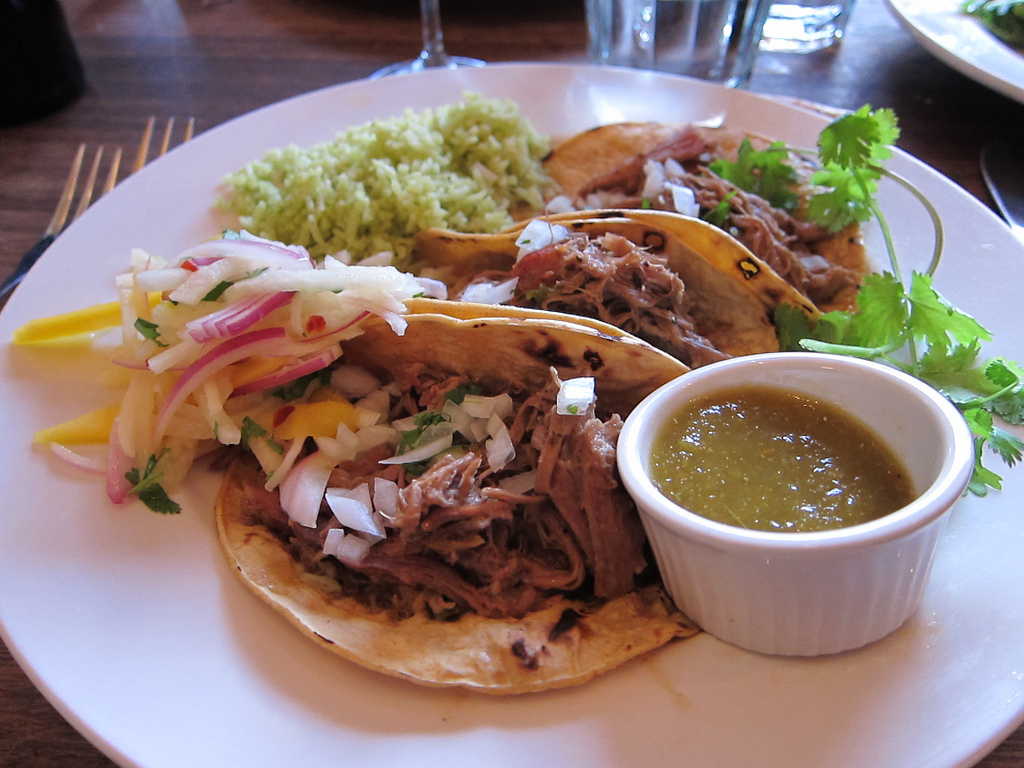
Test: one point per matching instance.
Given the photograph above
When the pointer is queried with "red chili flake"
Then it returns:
(281, 414)
(315, 324)
(190, 266)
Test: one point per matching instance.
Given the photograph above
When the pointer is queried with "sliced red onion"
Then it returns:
(266, 252)
(118, 465)
(290, 373)
(303, 489)
(232, 350)
(92, 465)
(235, 318)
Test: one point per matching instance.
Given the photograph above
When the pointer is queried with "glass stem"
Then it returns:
(433, 54)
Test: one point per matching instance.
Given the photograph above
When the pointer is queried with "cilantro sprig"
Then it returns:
(146, 485)
(905, 323)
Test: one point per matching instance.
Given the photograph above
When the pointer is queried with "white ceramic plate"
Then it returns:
(133, 626)
(964, 43)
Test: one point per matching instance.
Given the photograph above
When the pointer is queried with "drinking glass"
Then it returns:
(433, 54)
(715, 40)
(805, 26)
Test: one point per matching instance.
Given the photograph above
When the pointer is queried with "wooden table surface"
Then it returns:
(217, 59)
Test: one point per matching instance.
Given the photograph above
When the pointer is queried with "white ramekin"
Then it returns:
(805, 594)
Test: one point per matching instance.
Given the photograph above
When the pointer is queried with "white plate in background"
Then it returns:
(964, 43)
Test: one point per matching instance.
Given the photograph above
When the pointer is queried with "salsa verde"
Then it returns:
(772, 459)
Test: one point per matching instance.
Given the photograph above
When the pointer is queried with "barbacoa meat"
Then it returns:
(459, 542)
(774, 235)
(610, 278)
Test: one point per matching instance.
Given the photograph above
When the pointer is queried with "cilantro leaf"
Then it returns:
(218, 290)
(763, 172)
(149, 330)
(859, 139)
(935, 320)
(251, 430)
(458, 394)
(146, 485)
(293, 390)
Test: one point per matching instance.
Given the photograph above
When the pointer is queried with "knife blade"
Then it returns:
(1003, 170)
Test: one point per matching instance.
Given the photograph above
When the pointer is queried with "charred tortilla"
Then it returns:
(571, 636)
(603, 168)
(681, 284)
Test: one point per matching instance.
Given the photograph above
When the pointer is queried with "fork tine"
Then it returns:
(115, 166)
(85, 198)
(143, 152)
(60, 215)
(165, 143)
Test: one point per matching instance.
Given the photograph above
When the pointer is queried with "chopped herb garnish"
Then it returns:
(763, 172)
(146, 485)
(295, 389)
(251, 430)
(410, 437)
(458, 394)
(539, 294)
(149, 330)
(218, 290)
(907, 325)
(720, 212)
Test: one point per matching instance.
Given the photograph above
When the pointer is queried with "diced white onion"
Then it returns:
(354, 381)
(540, 234)
(683, 200)
(500, 450)
(353, 509)
(425, 451)
(654, 182)
(385, 497)
(378, 401)
(374, 435)
(673, 169)
(575, 396)
(524, 482)
(490, 293)
(348, 548)
(303, 489)
(560, 204)
(479, 406)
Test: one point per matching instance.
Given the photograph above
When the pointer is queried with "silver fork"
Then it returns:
(59, 221)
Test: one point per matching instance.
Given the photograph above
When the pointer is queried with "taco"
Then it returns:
(506, 563)
(679, 283)
(629, 165)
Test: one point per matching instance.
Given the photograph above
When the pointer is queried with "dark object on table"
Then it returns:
(40, 71)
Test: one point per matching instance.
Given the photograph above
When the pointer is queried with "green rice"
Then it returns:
(463, 166)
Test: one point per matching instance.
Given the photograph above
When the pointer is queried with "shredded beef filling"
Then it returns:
(774, 235)
(459, 542)
(609, 278)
